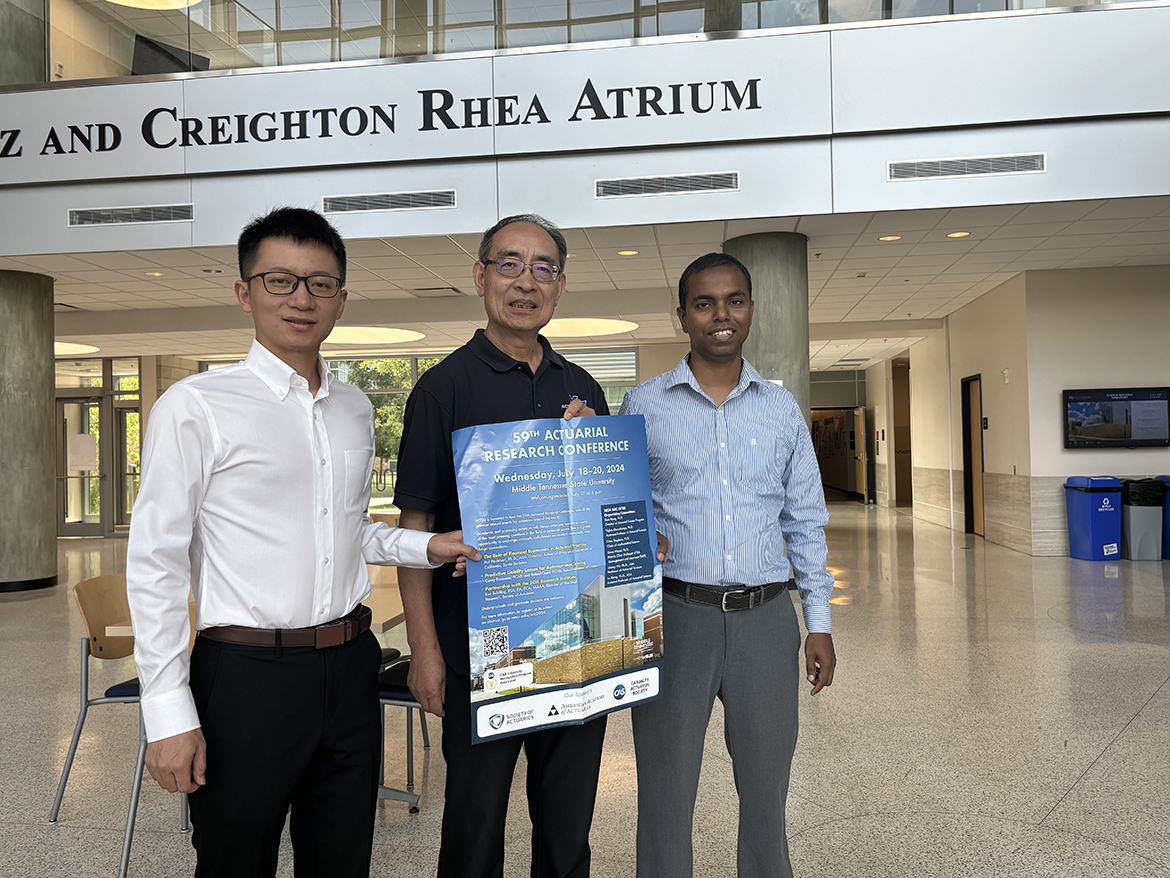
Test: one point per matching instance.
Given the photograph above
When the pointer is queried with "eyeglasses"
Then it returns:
(542, 272)
(281, 283)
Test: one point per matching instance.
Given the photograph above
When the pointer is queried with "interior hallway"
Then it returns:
(993, 715)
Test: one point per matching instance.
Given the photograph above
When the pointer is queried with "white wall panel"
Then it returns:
(224, 204)
(1106, 159)
(659, 88)
(36, 218)
(32, 156)
(917, 75)
(776, 179)
(336, 90)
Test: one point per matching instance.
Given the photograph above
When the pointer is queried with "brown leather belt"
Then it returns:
(727, 600)
(330, 634)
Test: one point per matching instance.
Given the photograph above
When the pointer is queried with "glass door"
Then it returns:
(79, 475)
(127, 461)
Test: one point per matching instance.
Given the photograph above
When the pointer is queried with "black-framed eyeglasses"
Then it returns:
(283, 283)
(508, 266)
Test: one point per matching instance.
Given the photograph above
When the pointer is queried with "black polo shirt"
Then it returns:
(477, 384)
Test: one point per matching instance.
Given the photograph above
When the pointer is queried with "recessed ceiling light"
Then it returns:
(212, 271)
(627, 253)
(577, 327)
(367, 335)
(958, 234)
(155, 273)
(842, 345)
(890, 238)
(572, 255)
(65, 348)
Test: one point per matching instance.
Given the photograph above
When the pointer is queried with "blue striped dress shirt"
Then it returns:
(736, 485)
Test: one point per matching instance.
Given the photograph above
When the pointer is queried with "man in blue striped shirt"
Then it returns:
(737, 491)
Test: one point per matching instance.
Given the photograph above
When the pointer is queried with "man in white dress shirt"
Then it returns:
(256, 479)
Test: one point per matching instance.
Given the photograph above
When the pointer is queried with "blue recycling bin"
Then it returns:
(1166, 519)
(1094, 517)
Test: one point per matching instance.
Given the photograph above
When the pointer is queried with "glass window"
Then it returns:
(387, 384)
(854, 10)
(79, 373)
(125, 372)
(919, 8)
(789, 13)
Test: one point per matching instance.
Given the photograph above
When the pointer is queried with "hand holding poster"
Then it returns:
(565, 607)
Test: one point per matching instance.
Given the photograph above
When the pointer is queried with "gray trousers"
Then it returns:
(749, 660)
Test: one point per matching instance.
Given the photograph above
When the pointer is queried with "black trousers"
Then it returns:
(562, 787)
(300, 728)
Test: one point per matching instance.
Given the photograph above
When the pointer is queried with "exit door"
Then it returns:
(972, 401)
(860, 457)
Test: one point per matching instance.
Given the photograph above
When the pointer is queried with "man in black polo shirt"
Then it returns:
(507, 372)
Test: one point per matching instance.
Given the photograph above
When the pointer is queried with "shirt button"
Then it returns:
(322, 461)
(728, 557)
(320, 611)
(326, 561)
(324, 511)
(722, 445)
(725, 481)
(728, 517)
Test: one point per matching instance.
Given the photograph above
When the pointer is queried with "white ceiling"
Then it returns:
(853, 277)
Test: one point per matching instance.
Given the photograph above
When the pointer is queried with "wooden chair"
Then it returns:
(102, 601)
(393, 692)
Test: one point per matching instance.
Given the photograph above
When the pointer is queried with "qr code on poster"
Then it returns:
(495, 642)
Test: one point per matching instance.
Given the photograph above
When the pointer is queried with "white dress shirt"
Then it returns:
(254, 498)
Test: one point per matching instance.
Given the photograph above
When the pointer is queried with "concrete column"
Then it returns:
(28, 511)
(778, 344)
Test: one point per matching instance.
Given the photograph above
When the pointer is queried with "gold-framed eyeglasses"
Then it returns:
(283, 283)
(508, 266)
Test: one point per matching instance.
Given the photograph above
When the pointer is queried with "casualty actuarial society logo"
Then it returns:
(496, 720)
(619, 692)
(490, 681)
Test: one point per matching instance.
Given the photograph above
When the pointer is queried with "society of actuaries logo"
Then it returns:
(496, 720)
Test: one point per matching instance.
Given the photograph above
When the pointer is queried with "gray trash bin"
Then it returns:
(1141, 519)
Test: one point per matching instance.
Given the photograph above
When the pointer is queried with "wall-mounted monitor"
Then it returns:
(1117, 418)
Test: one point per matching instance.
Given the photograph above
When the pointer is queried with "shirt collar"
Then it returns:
(277, 374)
(501, 362)
(682, 374)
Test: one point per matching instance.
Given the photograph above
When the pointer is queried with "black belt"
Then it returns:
(321, 636)
(726, 599)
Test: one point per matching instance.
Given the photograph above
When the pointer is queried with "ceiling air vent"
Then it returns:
(684, 184)
(388, 201)
(115, 216)
(985, 166)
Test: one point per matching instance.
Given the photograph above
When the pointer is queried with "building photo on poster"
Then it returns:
(565, 607)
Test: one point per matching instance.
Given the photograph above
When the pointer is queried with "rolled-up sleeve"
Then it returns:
(178, 457)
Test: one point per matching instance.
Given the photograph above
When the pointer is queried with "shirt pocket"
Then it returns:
(359, 468)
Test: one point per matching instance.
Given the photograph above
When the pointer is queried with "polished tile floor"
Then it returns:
(993, 715)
